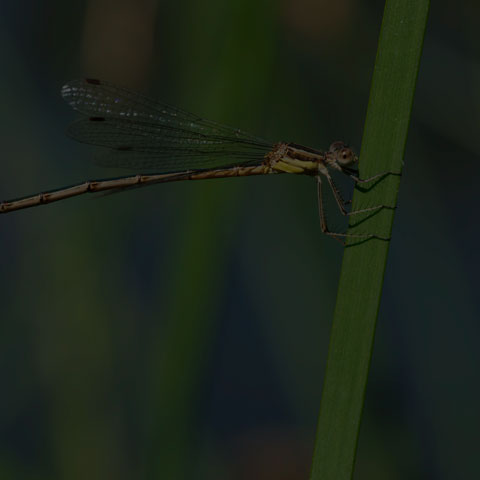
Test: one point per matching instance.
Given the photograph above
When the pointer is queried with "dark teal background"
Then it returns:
(181, 331)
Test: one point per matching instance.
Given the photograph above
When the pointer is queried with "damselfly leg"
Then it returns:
(342, 204)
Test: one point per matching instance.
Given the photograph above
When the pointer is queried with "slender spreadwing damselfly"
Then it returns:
(142, 134)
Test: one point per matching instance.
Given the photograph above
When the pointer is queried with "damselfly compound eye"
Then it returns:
(345, 157)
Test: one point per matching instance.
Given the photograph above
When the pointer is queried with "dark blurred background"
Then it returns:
(181, 331)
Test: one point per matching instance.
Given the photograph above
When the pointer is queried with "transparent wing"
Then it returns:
(133, 144)
(142, 133)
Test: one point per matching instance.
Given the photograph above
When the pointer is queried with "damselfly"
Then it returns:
(144, 134)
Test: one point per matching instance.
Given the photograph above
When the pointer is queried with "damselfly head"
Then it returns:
(342, 154)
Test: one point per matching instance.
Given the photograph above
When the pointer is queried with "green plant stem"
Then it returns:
(360, 286)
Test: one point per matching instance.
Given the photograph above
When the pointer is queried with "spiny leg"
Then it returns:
(323, 220)
(341, 202)
(321, 212)
(357, 179)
